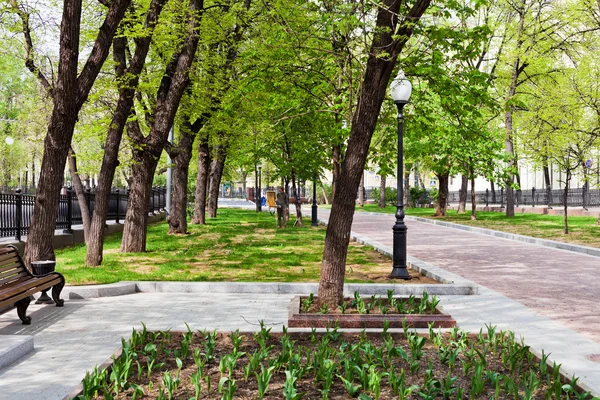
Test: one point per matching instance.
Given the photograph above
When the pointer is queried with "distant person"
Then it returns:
(283, 203)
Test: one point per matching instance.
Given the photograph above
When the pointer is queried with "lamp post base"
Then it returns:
(314, 220)
(399, 272)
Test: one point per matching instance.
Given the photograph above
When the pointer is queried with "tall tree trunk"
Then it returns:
(392, 36)
(136, 218)
(324, 194)
(565, 201)
(257, 200)
(147, 150)
(110, 159)
(442, 195)
(546, 174)
(216, 173)
(181, 157)
(473, 199)
(337, 167)
(462, 198)
(68, 96)
(382, 191)
(80, 192)
(202, 181)
(493, 192)
(517, 68)
(361, 191)
(297, 202)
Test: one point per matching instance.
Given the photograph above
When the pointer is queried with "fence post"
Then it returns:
(69, 210)
(19, 208)
(501, 197)
(487, 197)
(153, 192)
(118, 201)
(533, 197)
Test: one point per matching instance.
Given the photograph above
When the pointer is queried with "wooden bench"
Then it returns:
(17, 284)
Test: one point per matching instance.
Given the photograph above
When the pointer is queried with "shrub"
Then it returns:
(390, 195)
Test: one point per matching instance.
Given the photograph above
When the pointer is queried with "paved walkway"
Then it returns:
(562, 285)
(84, 333)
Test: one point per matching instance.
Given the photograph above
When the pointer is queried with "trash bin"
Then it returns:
(43, 268)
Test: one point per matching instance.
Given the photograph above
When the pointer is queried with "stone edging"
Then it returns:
(14, 347)
(590, 251)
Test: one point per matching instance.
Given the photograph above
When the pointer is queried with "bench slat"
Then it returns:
(20, 295)
(6, 250)
(15, 265)
(6, 278)
(8, 259)
(39, 283)
(14, 281)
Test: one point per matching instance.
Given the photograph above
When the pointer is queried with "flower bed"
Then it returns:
(373, 312)
(327, 365)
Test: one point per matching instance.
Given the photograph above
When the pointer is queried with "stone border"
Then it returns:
(296, 319)
(590, 251)
(78, 390)
(14, 347)
(132, 287)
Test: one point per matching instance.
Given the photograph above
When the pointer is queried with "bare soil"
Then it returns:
(430, 367)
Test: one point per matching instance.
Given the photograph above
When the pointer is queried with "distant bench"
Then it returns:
(17, 284)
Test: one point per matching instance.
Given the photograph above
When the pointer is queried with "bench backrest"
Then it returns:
(11, 266)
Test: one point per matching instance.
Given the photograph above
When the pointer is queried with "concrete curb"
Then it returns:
(14, 347)
(590, 251)
(95, 291)
(130, 287)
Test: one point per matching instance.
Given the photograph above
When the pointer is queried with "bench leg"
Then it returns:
(56, 289)
(22, 310)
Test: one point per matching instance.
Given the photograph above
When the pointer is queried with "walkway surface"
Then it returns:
(545, 295)
(562, 285)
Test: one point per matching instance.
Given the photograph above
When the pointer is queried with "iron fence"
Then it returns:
(16, 209)
(576, 197)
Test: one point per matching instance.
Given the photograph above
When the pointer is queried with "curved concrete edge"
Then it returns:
(14, 347)
(94, 291)
(590, 251)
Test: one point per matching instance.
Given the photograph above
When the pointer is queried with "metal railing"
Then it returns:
(576, 197)
(16, 209)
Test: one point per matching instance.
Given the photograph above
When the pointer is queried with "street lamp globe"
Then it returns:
(400, 89)
(9, 140)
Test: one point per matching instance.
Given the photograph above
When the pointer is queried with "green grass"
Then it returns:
(239, 245)
(582, 230)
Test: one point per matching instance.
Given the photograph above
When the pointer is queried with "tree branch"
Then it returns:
(29, 60)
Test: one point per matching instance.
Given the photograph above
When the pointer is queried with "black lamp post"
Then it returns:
(400, 91)
(314, 204)
(259, 165)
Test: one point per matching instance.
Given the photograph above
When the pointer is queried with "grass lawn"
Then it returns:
(583, 230)
(239, 245)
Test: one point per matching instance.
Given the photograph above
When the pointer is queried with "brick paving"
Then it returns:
(559, 284)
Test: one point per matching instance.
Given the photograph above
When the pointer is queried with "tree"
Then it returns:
(146, 150)
(68, 96)
(393, 28)
(129, 76)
